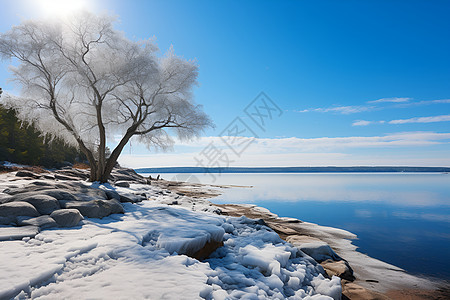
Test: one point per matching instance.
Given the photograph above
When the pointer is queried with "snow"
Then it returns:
(16, 233)
(141, 254)
(10, 164)
(256, 264)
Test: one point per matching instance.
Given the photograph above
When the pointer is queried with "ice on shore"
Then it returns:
(141, 254)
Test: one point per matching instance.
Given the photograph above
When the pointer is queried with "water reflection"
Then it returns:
(411, 189)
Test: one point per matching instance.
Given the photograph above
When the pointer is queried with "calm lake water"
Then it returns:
(400, 218)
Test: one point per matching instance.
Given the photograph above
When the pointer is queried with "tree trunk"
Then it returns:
(112, 160)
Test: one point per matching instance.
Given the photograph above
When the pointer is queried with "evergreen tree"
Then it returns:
(23, 144)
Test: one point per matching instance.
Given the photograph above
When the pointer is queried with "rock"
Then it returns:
(206, 251)
(64, 177)
(283, 228)
(110, 194)
(317, 249)
(66, 217)
(5, 199)
(44, 204)
(339, 268)
(80, 174)
(127, 197)
(42, 183)
(87, 194)
(116, 207)
(356, 292)
(96, 208)
(49, 177)
(17, 233)
(70, 185)
(24, 173)
(290, 220)
(59, 194)
(29, 188)
(18, 209)
(9, 220)
(123, 174)
(122, 184)
(42, 221)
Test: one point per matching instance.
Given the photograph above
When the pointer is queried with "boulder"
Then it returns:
(87, 194)
(10, 220)
(42, 183)
(59, 194)
(24, 173)
(44, 204)
(96, 208)
(339, 268)
(18, 209)
(317, 249)
(112, 194)
(17, 233)
(42, 221)
(66, 217)
(29, 188)
(127, 197)
(116, 207)
(125, 184)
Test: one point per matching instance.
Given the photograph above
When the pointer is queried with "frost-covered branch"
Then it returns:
(83, 81)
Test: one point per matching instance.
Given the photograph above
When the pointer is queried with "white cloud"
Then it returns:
(396, 102)
(391, 100)
(350, 109)
(442, 118)
(295, 151)
(426, 102)
(346, 109)
(312, 144)
(365, 123)
(361, 123)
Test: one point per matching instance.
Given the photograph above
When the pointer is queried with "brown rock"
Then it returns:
(416, 294)
(206, 251)
(353, 291)
(339, 268)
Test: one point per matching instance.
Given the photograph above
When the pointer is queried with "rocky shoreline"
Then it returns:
(34, 201)
(362, 276)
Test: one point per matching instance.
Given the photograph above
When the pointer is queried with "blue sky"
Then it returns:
(357, 82)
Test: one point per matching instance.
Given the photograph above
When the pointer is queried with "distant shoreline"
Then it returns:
(359, 169)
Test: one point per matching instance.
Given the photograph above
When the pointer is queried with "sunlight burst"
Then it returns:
(61, 7)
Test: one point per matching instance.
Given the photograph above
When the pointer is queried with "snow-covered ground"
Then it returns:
(141, 255)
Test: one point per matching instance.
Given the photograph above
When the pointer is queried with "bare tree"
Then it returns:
(85, 82)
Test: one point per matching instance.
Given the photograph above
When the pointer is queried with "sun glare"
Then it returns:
(61, 7)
